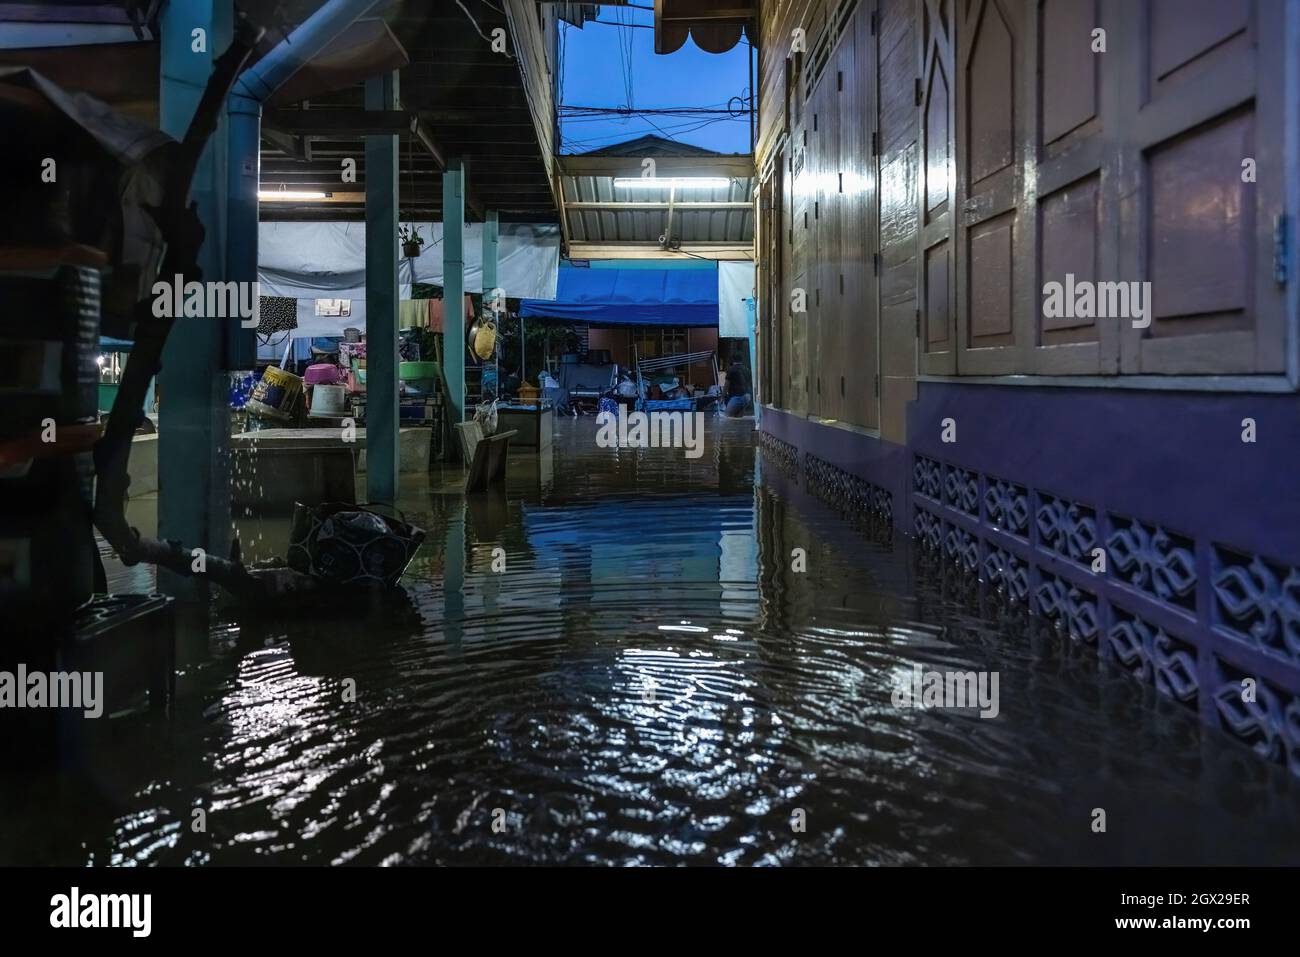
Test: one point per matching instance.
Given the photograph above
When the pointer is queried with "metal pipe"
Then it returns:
(244, 109)
(271, 72)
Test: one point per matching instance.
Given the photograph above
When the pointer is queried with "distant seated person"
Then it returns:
(739, 400)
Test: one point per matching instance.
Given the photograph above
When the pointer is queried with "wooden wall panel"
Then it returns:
(1070, 72)
(823, 314)
(991, 280)
(990, 95)
(935, 110)
(861, 310)
(534, 39)
(1069, 238)
(995, 296)
(777, 20)
(1200, 225)
(898, 227)
(1199, 231)
(1188, 36)
(936, 319)
(1010, 154)
(1070, 176)
(937, 299)
(897, 71)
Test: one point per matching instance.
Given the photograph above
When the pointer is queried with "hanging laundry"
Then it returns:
(413, 313)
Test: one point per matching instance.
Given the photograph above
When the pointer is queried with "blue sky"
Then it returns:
(595, 74)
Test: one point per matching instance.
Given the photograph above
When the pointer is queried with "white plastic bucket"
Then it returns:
(328, 400)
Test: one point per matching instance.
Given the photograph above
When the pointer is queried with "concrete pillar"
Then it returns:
(453, 288)
(194, 423)
(381, 299)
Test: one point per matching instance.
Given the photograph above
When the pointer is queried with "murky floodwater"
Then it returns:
(649, 681)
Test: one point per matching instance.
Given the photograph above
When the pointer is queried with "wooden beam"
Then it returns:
(425, 135)
(651, 250)
(339, 122)
(285, 143)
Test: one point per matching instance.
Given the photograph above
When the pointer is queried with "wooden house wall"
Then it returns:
(953, 156)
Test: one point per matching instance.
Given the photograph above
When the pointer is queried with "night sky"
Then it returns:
(595, 73)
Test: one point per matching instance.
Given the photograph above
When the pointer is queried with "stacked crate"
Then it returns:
(49, 336)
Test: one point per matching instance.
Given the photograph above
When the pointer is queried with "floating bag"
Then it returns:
(483, 337)
(351, 544)
(486, 417)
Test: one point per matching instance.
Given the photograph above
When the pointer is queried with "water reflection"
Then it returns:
(648, 680)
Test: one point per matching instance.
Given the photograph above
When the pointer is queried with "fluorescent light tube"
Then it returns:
(289, 195)
(678, 182)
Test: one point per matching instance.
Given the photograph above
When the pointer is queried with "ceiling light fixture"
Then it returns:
(290, 195)
(674, 182)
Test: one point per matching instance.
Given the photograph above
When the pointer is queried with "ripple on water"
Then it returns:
(649, 682)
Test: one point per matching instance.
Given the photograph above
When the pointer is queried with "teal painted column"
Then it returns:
(381, 299)
(453, 284)
(194, 415)
(491, 244)
(751, 321)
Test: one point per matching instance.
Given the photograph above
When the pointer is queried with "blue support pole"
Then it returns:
(194, 423)
(194, 420)
(381, 299)
(453, 288)
(491, 244)
(245, 116)
(751, 321)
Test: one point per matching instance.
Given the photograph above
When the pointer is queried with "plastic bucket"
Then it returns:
(328, 400)
(276, 394)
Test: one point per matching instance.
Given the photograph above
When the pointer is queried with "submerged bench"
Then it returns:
(313, 464)
(486, 455)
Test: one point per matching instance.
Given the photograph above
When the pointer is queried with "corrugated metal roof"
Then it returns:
(603, 220)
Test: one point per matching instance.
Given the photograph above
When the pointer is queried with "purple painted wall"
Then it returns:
(1199, 531)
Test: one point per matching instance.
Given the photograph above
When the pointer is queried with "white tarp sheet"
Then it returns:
(735, 286)
(310, 261)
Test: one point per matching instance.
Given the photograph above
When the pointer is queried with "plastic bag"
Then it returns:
(486, 416)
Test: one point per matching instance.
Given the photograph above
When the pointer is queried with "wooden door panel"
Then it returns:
(1070, 72)
(937, 150)
(990, 107)
(1188, 36)
(991, 281)
(859, 315)
(994, 261)
(801, 293)
(936, 288)
(1202, 234)
(1070, 181)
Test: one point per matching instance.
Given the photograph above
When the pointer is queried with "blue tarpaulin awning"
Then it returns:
(632, 297)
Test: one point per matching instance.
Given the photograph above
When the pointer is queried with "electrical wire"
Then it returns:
(465, 10)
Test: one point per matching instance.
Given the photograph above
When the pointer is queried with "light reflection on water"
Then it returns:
(649, 682)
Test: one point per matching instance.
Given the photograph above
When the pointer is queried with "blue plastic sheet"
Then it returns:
(633, 297)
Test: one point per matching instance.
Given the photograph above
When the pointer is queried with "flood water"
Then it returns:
(648, 681)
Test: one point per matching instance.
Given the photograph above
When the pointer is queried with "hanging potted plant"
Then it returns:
(411, 240)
